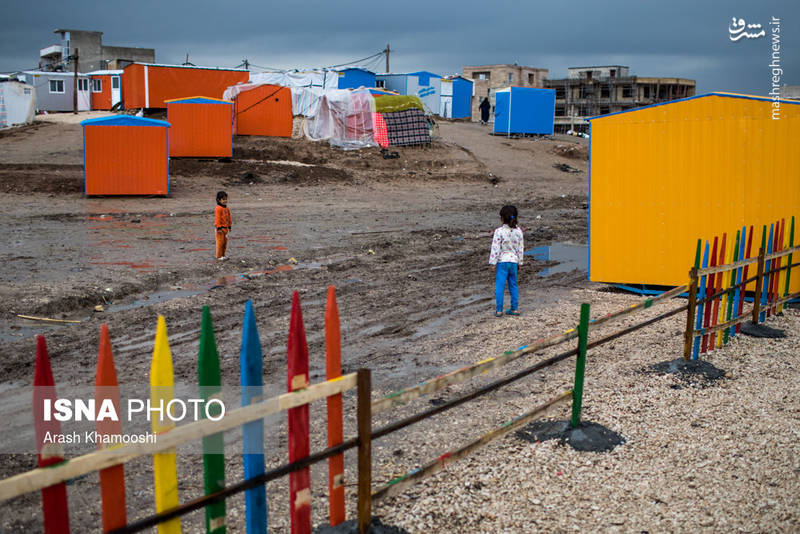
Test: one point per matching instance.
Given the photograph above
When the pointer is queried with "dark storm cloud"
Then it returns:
(687, 39)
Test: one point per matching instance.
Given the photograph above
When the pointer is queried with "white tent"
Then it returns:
(17, 103)
(307, 87)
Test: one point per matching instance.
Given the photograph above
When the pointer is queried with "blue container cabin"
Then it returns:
(524, 110)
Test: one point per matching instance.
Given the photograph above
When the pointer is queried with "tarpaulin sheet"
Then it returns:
(392, 104)
(344, 119)
(381, 133)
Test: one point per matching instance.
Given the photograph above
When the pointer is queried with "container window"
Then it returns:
(83, 84)
(97, 85)
(56, 86)
(115, 82)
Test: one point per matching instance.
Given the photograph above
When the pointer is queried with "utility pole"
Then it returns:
(387, 57)
(75, 84)
(246, 64)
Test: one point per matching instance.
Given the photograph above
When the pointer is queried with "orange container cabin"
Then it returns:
(263, 109)
(106, 88)
(126, 155)
(146, 85)
(200, 127)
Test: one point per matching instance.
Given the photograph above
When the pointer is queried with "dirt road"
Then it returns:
(404, 241)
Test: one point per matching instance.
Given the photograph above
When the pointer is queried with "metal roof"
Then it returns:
(185, 66)
(124, 120)
(723, 94)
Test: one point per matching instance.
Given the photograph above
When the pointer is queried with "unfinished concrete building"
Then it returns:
(791, 92)
(488, 78)
(92, 53)
(591, 91)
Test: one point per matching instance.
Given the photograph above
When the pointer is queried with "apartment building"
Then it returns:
(599, 90)
(92, 53)
(488, 78)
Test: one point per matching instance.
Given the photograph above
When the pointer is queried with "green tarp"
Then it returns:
(391, 104)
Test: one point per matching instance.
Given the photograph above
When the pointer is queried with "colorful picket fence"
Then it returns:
(109, 461)
(719, 279)
(50, 480)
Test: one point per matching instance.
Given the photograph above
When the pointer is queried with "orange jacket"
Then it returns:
(222, 217)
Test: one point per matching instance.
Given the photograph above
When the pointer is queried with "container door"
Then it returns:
(115, 91)
(84, 95)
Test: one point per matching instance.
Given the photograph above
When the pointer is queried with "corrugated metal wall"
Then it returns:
(133, 94)
(462, 98)
(171, 82)
(355, 78)
(265, 110)
(126, 160)
(661, 177)
(200, 129)
(101, 100)
(524, 110)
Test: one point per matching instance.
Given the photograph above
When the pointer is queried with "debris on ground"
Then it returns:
(566, 168)
(572, 151)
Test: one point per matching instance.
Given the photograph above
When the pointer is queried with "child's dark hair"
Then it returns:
(509, 216)
(221, 195)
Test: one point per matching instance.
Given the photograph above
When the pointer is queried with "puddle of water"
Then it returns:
(568, 255)
(191, 290)
(154, 298)
(131, 221)
(144, 266)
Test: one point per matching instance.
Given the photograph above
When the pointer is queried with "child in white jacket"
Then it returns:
(506, 254)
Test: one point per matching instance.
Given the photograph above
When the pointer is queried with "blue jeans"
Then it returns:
(506, 271)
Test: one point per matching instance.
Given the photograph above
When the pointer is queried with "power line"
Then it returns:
(358, 60)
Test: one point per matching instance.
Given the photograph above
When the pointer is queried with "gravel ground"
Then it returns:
(720, 456)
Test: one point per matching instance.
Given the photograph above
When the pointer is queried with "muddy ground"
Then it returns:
(405, 242)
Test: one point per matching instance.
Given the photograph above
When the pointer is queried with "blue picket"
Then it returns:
(701, 295)
(251, 360)
(767, 266)
(737, 309)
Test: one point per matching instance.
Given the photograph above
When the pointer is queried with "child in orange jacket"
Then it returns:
(222, 222)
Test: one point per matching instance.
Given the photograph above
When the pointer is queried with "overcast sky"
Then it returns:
(679, 38)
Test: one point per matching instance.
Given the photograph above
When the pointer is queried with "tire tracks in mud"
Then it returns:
(394, 304)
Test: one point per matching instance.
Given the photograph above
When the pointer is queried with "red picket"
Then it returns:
(299, 481)
(712, 342)
(707, 312)
(333, 367)
(112, 479)
(50, 452)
